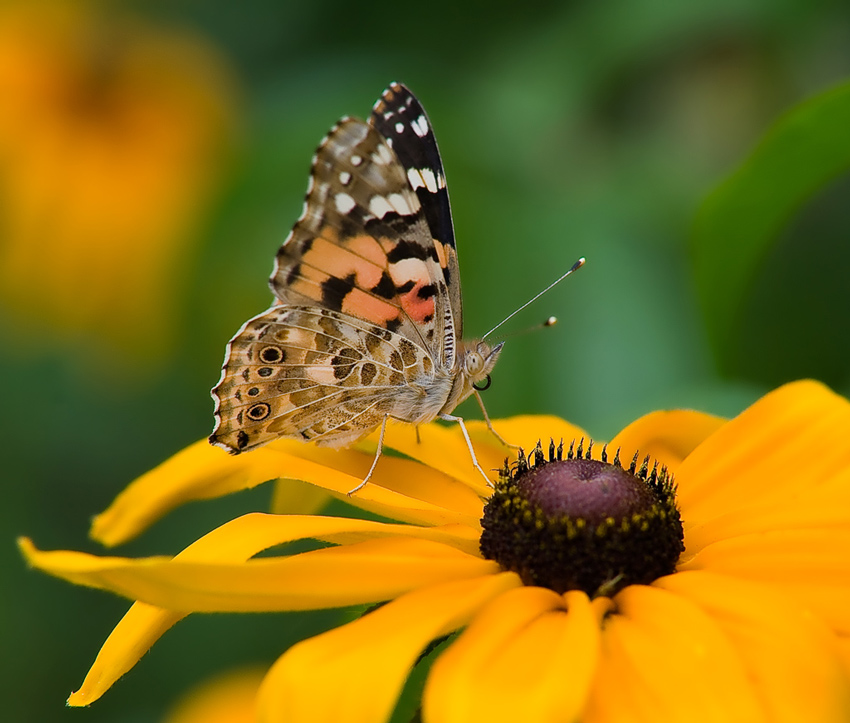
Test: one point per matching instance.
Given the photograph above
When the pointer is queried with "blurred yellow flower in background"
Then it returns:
(112, 140)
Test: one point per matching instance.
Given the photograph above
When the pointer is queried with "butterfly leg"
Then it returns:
(459, 420)
(374, 461)
(490, 424)
(418, 439)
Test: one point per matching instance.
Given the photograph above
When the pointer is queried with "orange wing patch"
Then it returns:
(417, 300)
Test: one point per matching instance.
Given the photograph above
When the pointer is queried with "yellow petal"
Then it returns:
(200, 471)
(525, 430)
(227, 698)
(667, 436)
(238, 540)
(134, 635)
(355, 673)
(144, 624)
(664, 659)
(335, 577)
(529, 656)
(789, 655)
(443, 447)
(292, 496)
(813, 512)
(399, 489)
(812, 565)
(789, 443)
(843, 647)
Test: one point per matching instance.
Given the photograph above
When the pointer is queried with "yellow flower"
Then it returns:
(112, 137)
(751, 625)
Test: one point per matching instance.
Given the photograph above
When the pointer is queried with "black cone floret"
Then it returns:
(577, 523)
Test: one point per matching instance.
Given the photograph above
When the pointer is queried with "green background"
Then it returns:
(695, 153)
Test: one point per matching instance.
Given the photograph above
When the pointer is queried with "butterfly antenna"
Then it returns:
(577, 265)
(550, 321)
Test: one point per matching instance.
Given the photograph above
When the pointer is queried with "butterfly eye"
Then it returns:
(474, 364)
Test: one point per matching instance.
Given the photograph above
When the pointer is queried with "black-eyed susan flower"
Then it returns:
(112, 140)
(747, 620)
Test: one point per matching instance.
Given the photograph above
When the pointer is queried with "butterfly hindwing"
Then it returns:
(312, 374)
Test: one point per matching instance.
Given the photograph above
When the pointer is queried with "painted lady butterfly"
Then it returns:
(367, 320)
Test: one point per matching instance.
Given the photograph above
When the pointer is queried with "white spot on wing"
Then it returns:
(356, 160)
(344, 178)
(313, 215)
(379, 206)
(406, 269)
(321, 374)
(321, 194)
(429, 179)
(344, 202)
(399, 127)
(401, 204)
(415, 178)
(382, 156)
(420, 126)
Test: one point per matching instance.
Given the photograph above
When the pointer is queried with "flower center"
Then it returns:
(578, 523)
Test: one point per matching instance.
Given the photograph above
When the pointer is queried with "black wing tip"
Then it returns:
(391, 95)
(396, 87)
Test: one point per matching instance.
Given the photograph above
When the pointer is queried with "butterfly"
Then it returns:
(367, 323)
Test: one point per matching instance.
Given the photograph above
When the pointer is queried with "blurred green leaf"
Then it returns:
(745, 221)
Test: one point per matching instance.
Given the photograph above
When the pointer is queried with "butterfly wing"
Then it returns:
(375, 238)
(313, 374)
(368, 289)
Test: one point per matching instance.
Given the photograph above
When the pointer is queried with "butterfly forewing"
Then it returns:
(362, 246)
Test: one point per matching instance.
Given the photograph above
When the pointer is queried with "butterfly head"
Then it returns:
(479, 359)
